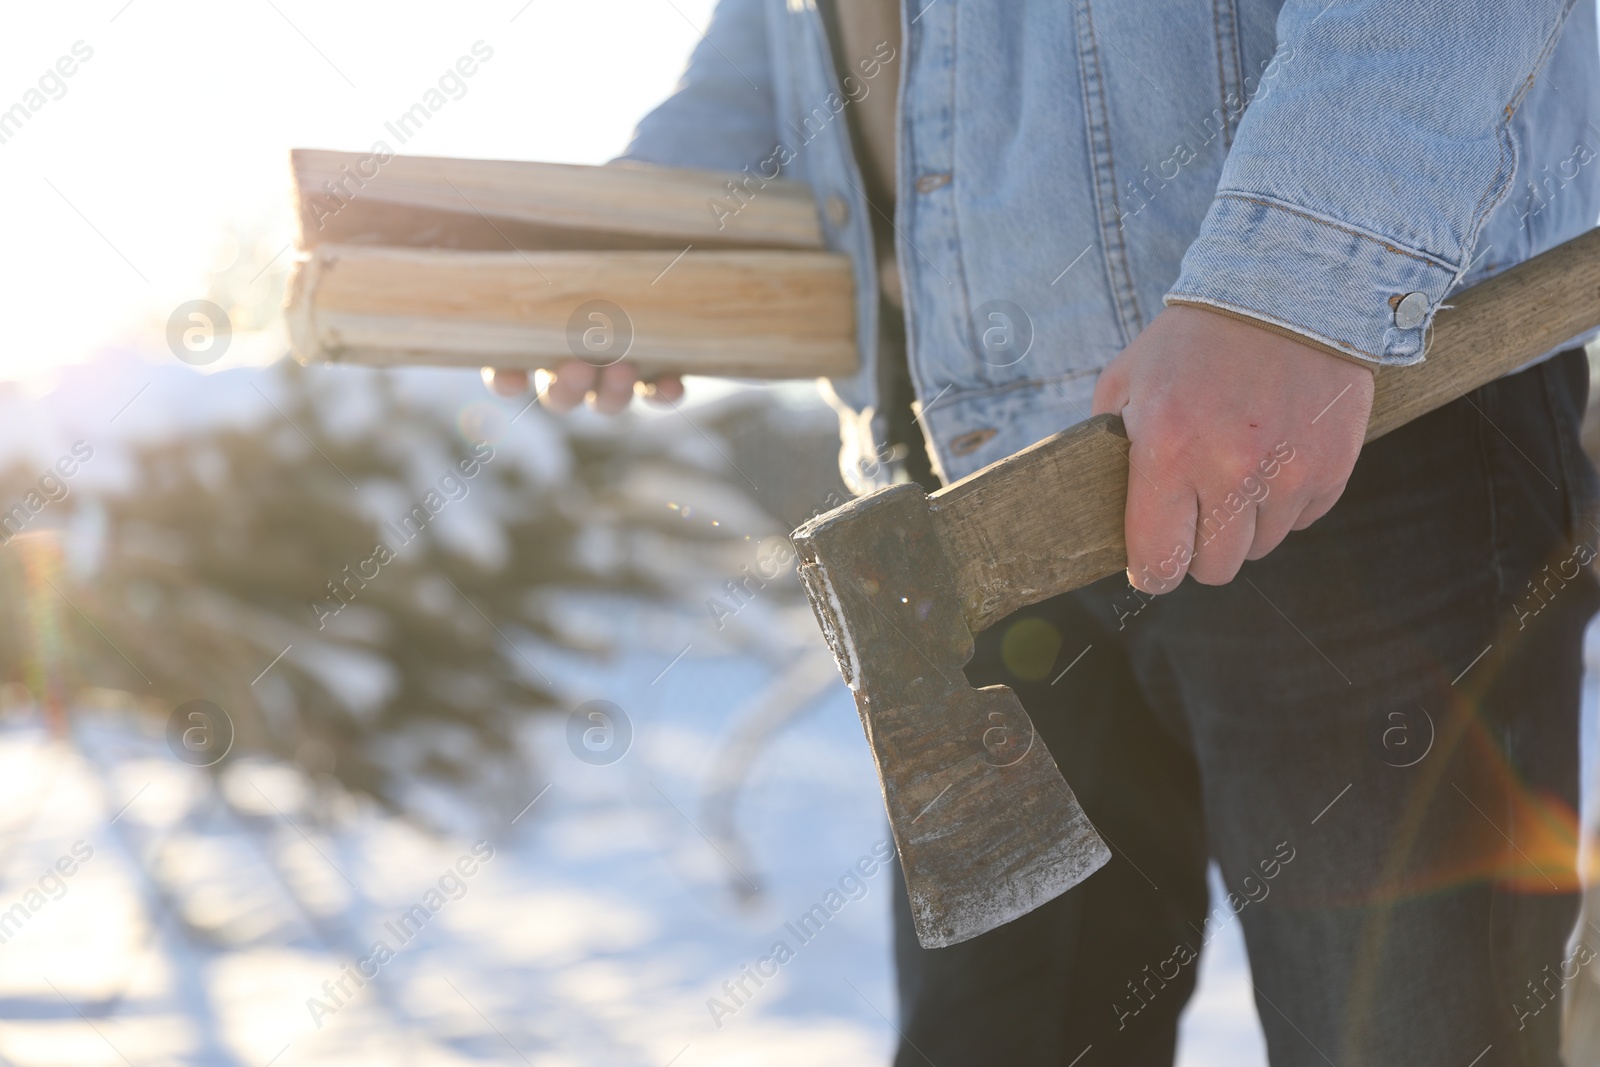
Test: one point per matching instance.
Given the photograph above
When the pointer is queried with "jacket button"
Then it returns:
(929, 182)
(838, 211)
(1410, 310)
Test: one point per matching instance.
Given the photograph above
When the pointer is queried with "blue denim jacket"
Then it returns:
(1066, 167)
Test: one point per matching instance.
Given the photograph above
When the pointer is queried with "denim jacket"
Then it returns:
(1334, 168)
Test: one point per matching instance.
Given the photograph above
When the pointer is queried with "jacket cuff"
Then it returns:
(1341, 287)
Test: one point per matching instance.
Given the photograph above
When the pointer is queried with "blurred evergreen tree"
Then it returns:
(409, 669)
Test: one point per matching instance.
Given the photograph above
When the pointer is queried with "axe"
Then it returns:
(986, 827)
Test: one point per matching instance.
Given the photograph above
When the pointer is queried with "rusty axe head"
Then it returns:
(986, 827)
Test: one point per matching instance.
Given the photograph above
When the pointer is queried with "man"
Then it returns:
(1364, 703)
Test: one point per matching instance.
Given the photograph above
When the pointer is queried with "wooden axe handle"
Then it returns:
(1049, 518)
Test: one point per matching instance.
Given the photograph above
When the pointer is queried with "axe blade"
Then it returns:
(986, 827)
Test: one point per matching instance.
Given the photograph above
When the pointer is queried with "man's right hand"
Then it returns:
(1208, 400)
(607, 389)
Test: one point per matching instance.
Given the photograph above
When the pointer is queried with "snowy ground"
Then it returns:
(204, 923)
(207, 925)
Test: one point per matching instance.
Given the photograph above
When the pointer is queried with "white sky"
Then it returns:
(181, 123)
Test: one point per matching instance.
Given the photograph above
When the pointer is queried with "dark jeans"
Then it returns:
(1373, 731)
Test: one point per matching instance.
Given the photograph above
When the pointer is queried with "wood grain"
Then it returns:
(491, 205)
(1037, 523)
(1049, 518)
(759, 314)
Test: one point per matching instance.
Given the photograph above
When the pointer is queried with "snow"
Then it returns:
(596, 935)
(206, 919)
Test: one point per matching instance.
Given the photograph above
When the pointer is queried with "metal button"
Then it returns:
(838, 211)
(929, 182)
(1411, 310)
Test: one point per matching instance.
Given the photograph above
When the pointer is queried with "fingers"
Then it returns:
(608, 390)
(1160, 526)
(1222, 539)
(1274, 521)
(614, 389)
(1160, 522)
(570, 383)
(1228, 528)
(506, 383)
(1225, 539)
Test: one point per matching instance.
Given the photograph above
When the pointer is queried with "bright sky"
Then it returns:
(120, 187)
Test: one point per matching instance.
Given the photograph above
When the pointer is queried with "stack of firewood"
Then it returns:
(416, 260)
